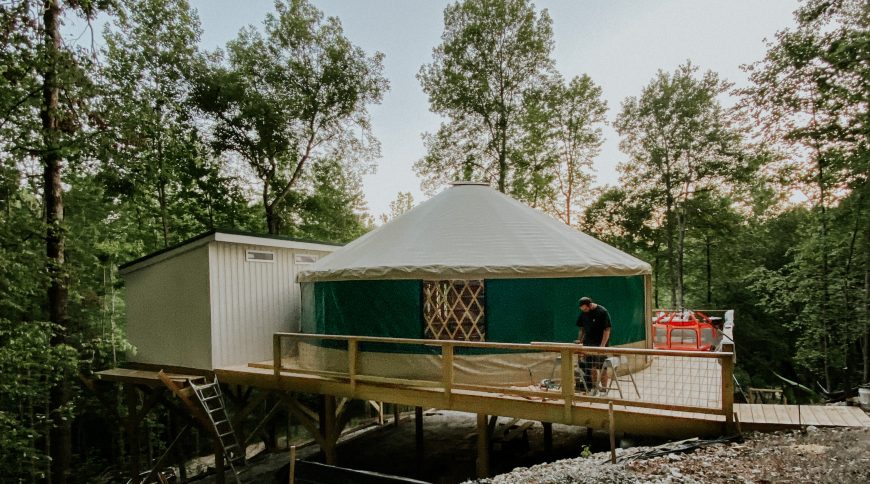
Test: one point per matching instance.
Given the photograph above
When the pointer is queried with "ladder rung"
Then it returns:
(205, 399)
(216, 409)
(225, 434)
(219, 422)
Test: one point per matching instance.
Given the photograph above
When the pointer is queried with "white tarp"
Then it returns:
(472, 231)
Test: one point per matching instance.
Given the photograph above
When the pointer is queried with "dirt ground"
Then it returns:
(818, 455)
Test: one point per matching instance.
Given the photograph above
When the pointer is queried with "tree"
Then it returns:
(404, 201)
(45, 91)
(492, 54)
(335, 208)
(679, 141)
(154, 155)
(563, 130)
(809, 96)
(297, 93)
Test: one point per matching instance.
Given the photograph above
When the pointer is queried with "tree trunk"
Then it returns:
(656, 280)
(161, 191)
(502, 155)
(709, 274)
(60, 435)
(271, 219)
(681, 250)
(865, 339)
(669, 235)
(826, 297)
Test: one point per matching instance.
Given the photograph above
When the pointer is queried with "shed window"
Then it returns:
(454, 310)
(259, 256)
(305, 258)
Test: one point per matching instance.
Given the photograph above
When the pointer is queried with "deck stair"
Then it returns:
(211, 399)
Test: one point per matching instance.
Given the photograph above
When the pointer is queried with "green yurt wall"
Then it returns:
(517, 310)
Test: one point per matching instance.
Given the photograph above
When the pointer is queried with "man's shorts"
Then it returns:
(592, 361)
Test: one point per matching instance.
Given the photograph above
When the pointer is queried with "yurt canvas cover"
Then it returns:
(514, 272)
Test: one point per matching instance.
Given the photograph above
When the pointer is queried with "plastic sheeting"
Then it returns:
(503, 369)
(474, 232)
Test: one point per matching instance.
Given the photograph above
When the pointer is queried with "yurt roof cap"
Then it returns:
(470, 231)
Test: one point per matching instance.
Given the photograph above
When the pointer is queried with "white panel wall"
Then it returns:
(250, 301)
(168, 311)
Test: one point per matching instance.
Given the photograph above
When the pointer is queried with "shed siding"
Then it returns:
(251, 301)
(168, 311)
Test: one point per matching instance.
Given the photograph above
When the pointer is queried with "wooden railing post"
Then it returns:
(276, 353)
(447, 370)
(727, 362)
(567, 375)
(352, 347)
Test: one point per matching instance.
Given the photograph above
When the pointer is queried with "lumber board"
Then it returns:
(142, 377)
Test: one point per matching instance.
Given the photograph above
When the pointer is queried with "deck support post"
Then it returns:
(548, 436)
(482, 446)
(418, 437)
(728, 391)
(132, 423)
(418, 427)
(219, 475)
(330, 433)
(396, 415)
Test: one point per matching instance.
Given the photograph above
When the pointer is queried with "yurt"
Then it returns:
(470, 264)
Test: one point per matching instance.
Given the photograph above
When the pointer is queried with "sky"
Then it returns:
(620, 44)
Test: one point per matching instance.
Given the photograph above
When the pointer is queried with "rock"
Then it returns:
(812, 428)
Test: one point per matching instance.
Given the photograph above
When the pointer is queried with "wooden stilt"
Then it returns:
(418, 439)
(330, 434)
(292, 464)
(381, 414)
(482, 446)
(548, 436)
(396, 415)
(418, 428)
(612, 432)
(132, 422)
(217, 448)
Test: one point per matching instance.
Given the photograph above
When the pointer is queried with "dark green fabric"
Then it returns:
(517, 310)
(525, 310)
(367, 308)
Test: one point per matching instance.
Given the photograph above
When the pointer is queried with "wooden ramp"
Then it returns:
(765, 417)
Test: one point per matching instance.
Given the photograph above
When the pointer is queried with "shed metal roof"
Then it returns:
(224, 235)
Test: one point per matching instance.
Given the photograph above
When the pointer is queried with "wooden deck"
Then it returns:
(766, 417)
(585, 412)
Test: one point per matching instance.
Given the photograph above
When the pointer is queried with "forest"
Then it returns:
(111, 152)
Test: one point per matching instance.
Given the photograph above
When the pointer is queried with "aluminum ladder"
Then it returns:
(211, 399)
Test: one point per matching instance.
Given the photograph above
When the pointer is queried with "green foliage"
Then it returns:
(680, 142)
(293, 95)
(404, 201)
(333, 211)
(561, 128)
(30, 366)
(809, 96)
(493, 54)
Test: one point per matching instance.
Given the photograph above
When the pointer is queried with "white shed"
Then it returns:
(215, 300)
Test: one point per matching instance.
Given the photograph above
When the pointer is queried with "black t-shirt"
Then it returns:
(594, 323)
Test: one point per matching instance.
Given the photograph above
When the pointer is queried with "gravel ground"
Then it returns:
(818, 455)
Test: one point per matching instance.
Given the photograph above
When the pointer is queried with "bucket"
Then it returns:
(864, 397)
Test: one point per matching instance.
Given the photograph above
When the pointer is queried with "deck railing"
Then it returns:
(684, 381)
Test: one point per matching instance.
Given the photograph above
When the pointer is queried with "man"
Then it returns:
(594, 324)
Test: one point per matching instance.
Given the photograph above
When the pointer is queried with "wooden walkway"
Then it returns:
(767, 417)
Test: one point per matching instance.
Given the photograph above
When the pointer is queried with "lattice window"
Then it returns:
(454, 310)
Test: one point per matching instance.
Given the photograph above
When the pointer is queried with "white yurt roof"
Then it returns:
(470, 231)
